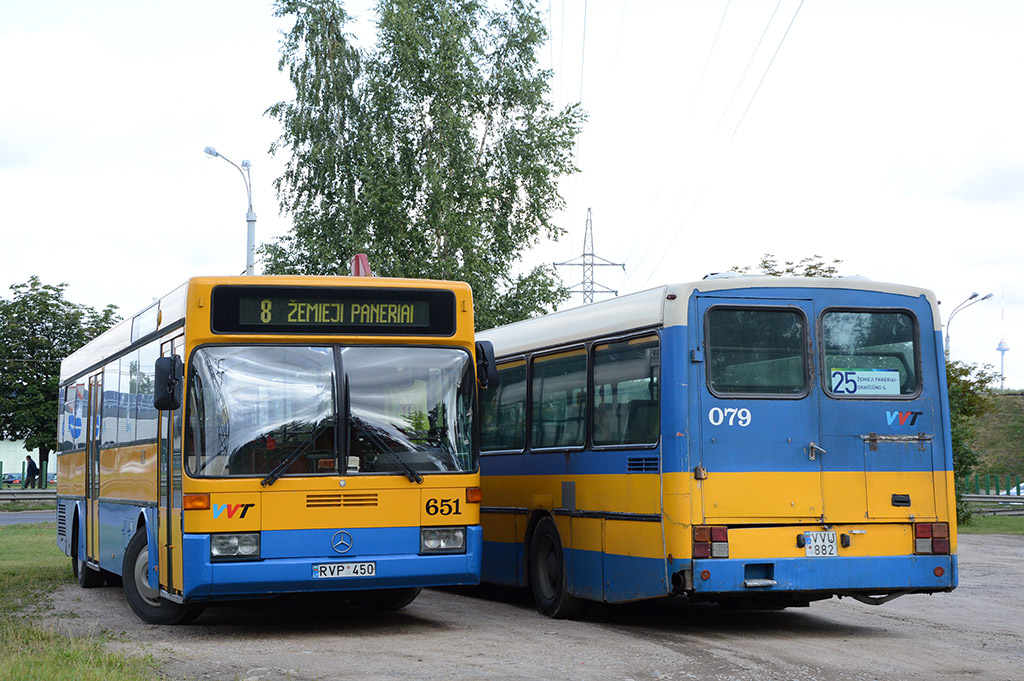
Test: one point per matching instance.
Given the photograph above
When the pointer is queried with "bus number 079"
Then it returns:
(735, 417)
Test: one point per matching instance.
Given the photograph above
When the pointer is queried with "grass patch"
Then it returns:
(31, 566)
(993, 524)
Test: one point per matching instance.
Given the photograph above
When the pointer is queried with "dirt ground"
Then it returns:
(975, 632)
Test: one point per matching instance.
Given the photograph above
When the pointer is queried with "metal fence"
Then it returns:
(9, 495)
(994, 484)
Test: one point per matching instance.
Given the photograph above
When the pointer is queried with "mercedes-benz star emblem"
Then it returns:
(341, 541)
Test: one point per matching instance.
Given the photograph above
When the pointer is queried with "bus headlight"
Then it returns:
(235, 546)
(443, 540)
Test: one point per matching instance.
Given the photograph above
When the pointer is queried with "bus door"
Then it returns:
(877, 416)
(169, 512)
(760, 451)
(92, 469)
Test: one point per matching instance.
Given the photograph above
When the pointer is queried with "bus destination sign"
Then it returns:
(333, 310)
(260, 311)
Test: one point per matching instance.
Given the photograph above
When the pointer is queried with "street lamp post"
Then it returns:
(972, 299)
(250, 217)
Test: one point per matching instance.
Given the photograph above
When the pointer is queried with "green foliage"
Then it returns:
(38, 328)
(999, 434)
(436, 152)
(813, 266)
(968, 390)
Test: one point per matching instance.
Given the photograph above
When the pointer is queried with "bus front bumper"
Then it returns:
(288, 559)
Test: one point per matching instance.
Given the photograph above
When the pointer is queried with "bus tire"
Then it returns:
(386, 600)
(86, 576)
(143, 599)
(547, 574)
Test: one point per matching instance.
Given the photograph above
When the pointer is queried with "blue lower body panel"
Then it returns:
(879, 574)
(288, 557)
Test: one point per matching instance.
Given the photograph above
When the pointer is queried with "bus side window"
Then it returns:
(626, 386)
(503, 426)
(559, 399)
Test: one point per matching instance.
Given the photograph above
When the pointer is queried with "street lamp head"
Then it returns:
(247, 166)
(212, 153)
(987, 296)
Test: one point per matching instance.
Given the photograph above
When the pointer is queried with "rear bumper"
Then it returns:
(825, 576)
(288, 557)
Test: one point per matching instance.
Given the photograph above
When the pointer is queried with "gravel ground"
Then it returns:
(975, 632)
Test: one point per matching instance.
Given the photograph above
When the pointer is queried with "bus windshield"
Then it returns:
(283, 411)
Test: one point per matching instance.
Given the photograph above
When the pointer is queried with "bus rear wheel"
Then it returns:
(145, 600)
(384, 599)
(547, 574)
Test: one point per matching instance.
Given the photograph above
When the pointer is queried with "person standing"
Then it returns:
(31, 473)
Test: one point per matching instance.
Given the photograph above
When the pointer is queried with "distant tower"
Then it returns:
(1002, 348)
(586, 261)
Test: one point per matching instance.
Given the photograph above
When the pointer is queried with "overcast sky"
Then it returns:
(887, 135)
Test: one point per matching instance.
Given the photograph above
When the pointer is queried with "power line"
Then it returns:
(708, 60)
(747, 67)
(758, 88)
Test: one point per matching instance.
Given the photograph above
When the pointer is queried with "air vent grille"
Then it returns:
(359, 499)
(62, 521)
(342, 500)
(323, 500)
(642, 464)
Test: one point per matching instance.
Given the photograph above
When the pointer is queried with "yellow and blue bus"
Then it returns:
(247, 436)
(751, 441)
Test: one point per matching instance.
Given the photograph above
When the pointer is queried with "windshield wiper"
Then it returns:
(301, 449)
(370, 432)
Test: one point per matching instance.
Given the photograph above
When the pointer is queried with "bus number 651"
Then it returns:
(443, 506)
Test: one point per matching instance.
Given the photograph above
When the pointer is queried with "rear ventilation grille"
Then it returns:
(642, 464)
(348, 500)
(62, 521)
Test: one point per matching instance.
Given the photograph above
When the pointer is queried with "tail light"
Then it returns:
(710, 541)
(931, 538)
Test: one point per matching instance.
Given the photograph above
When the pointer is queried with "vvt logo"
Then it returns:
(232, 509)
(902, 418)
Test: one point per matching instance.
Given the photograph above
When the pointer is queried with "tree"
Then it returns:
(813, 266)
(968, 389)
(38, 328)
(436, 152)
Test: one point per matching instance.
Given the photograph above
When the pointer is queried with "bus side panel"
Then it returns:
(129, 472)
(117, 522)
(71, 474)
(503, 540)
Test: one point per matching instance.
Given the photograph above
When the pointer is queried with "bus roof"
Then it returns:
(663, 306)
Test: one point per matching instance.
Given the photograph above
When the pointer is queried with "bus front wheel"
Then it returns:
(547, 574)
(144, 599)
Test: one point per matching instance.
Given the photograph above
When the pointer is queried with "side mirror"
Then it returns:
(486, 367)
(169, 383)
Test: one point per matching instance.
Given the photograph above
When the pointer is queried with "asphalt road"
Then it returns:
(975, 632)
(19, 517)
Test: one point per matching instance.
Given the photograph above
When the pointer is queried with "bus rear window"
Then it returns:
(870, 353)
(756, 351)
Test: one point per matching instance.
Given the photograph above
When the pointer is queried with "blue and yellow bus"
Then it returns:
(247, 436)
(751, 441)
